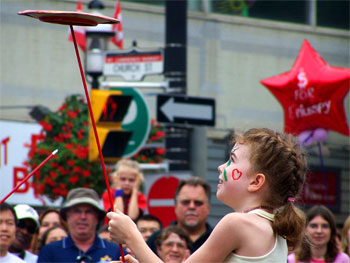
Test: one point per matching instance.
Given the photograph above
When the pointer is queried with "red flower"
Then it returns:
(81, 152)
(73, 179)
(69, 146)
(49, 181)
(160, 134)
(53, 174)
(86, 173)
(160, 151)
(58, 139)
(62, 107)
(70, 162)
(67, 136)
(54, 165)
(77, 169)
(71, 114)
(70, 125)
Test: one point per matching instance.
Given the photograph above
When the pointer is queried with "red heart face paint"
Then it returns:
(236, 174)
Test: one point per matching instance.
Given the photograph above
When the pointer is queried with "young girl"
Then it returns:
(260, 181)
(127, 180)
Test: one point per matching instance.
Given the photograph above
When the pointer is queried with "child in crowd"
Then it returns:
(260, 182)
(320, 245)
(127, 180)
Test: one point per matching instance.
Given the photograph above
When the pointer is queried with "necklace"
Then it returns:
(259, 207)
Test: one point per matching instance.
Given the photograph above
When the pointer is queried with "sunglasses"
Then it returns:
(30, 228)
(186, 202)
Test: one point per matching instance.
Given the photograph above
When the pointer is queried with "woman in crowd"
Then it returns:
(48, 218)
(320, 245)
(345, 237)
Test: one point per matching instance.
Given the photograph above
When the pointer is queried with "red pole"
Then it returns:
(94, 128)
(25, 179)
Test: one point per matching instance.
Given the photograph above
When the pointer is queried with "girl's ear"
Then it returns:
(256, 183)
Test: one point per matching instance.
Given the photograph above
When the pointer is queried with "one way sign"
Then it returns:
(184, 109)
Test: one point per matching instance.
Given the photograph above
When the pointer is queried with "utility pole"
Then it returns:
(177, 140)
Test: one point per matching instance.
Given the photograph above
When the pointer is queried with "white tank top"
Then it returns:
(278, 253)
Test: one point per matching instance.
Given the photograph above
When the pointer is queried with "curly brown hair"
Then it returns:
(280, 158)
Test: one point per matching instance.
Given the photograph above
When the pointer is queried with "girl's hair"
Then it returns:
(344, 236)
(280, 158)
(304, 253)
(129, 163)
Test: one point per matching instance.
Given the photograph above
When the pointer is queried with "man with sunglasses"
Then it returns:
(192, 206)
(27, 225)
(83, 215)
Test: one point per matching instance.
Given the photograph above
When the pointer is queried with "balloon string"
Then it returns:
(95, 130)
(323, 172)
(25, 179)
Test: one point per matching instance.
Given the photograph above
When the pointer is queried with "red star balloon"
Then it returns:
(312, 94)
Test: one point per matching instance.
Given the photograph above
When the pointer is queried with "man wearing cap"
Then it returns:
(27, 225)
(83, 213)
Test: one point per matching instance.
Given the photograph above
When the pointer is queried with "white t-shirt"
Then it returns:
(28, 257)
(10, 258)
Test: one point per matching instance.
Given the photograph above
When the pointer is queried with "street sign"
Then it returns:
(161, 199)
(133, 64)
(184, 109)
(136, 120)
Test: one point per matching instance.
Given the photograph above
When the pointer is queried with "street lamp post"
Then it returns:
(97, 44)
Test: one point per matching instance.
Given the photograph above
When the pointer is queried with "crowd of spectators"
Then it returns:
(78, 231)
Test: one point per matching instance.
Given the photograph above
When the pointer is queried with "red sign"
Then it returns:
(320, 189)
(161, 199)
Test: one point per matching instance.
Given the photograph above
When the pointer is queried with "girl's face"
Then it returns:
(233, 178)
(318, 231)
(127, 179)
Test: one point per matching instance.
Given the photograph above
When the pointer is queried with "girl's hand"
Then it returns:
(139, 181)
(120, 227)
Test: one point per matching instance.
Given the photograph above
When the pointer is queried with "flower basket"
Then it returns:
(67, 131)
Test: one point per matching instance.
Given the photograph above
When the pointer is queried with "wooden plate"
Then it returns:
(69, 17)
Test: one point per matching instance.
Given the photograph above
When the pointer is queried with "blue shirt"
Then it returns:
(66, 251)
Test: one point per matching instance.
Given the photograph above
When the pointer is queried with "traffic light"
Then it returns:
(109, 108)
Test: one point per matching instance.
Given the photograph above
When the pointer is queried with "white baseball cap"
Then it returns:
(26, 211)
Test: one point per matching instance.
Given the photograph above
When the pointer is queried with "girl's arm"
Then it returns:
(133, 208)
(224, 239)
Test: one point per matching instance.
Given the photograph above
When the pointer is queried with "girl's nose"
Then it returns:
(221, 168)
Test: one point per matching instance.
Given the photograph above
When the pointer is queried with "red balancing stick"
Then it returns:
(25, 179)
